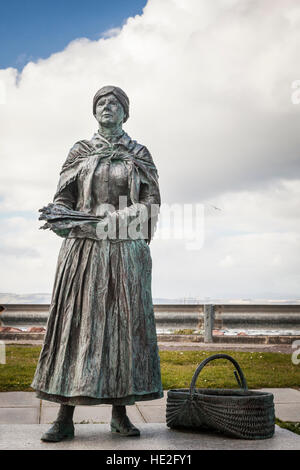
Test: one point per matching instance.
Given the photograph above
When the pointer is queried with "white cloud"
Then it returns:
(111, 32)
(210, 91)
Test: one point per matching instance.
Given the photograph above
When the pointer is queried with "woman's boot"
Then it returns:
(63, 427)
(120, 423)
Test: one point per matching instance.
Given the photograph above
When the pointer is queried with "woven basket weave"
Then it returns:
(240, 413)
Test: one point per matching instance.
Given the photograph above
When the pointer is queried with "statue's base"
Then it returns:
(153, 437)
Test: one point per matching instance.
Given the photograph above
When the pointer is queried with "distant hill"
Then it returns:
(8, 298)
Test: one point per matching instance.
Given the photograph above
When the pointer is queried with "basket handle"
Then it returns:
(240, 378)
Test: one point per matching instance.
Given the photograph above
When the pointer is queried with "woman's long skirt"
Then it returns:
(100, 344)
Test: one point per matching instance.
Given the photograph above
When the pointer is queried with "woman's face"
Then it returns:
(109, 111)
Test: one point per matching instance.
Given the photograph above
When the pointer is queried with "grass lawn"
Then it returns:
(294, 427)
(177, 367)
(17, 373)
(261, 369)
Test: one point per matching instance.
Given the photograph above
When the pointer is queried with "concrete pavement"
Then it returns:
(23, 418)
(25, 408)
(154, 437)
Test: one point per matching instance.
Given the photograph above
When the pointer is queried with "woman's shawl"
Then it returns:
(81, 164)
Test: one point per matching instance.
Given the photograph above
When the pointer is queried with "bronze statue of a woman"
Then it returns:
(100, 345)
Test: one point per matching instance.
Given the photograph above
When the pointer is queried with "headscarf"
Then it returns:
(118, 93)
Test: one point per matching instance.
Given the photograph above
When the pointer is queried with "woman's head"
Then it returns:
(111, 106)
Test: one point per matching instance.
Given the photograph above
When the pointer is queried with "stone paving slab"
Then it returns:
(24, 407)
(153, 414)
(18, 399)
(288, 412)
(91, 414)
(19, 415)
(284, 395)
(153, 437)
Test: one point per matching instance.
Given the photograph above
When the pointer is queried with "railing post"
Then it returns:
(209, 314)
(2, 309)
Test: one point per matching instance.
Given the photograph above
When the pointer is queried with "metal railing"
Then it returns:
(182, 316)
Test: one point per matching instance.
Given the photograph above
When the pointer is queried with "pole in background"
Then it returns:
(209, 314)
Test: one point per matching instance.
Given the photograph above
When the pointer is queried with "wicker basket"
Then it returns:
(240, 413)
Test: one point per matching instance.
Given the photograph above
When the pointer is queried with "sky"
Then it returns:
(34, 29)
(213, 95)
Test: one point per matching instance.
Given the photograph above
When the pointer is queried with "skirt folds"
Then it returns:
(100, 344)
